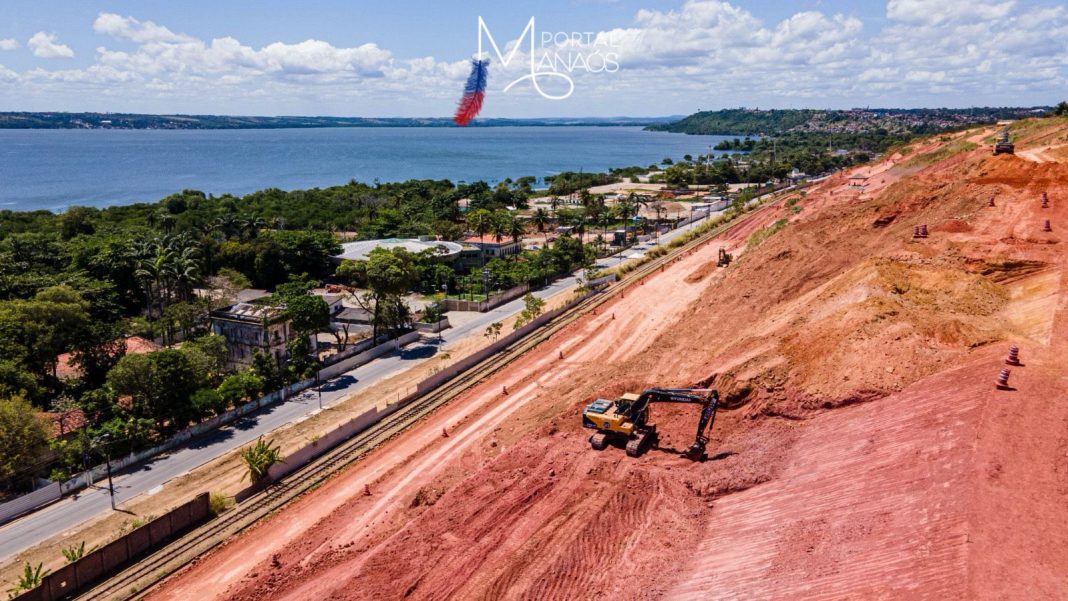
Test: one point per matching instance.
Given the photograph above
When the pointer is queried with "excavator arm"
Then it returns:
(708, 416)
(708, 399)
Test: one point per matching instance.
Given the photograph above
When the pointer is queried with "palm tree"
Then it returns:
(480, 221)
(166, 221)
(512, 226)
(499, 225)
(229, 224)
(540, 218)
(185, 271)
(250, 226)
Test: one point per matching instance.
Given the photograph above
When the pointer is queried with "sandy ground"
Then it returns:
(862, 450)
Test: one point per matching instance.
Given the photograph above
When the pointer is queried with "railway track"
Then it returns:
(136, 581)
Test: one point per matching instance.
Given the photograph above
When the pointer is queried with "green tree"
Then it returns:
(208, 401)
(186, 318)
(209, 355)
(78, 221)
(308, 313)
(267, 370)
(353, 273)
(1061, 109)
(99, 349)
(390, 274)
(493, 331)
(24, 439)
(532, 307)
(161, 385)
(540, 218)
(239, 387)
(34, 332)
(16, 381)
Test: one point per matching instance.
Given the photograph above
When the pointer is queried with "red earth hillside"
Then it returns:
(863, 450)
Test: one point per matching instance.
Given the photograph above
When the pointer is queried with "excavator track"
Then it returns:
(640, 443)
(599, 441)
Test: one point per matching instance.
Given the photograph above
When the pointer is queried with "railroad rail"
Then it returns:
(136, 581)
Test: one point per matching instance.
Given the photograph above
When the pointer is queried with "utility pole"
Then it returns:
(106, 437)
(318, 384)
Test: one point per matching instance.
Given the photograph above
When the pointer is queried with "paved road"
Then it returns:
(149, 478)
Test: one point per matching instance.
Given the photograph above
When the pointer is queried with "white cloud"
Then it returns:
(939, 12)
(9, 44)
(45, 45)
(699, 54)
(129, 28)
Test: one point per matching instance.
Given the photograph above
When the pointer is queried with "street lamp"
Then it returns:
(485, 282)
(441, 310)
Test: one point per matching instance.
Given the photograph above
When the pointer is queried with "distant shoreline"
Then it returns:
(124, 121)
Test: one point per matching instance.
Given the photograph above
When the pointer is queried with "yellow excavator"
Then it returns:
(1002, 144)
(627, 419)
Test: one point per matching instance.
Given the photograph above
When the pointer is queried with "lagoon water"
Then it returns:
(54, 169)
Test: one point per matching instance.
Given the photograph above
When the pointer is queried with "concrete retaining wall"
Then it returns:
(85, 573)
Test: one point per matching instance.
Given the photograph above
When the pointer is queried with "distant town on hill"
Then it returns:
(755, 122)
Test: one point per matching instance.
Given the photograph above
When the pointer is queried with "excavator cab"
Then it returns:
(610, 416)
(625, 419)
(1002, 145)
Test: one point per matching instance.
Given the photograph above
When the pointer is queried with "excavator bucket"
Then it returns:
(696, 452)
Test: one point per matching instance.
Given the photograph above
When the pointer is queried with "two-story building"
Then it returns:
(250, 328)
(492, 249)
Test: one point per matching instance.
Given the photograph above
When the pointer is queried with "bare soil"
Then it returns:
(863, 450)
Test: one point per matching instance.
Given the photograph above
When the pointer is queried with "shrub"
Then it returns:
(259, 458)
(219, 502)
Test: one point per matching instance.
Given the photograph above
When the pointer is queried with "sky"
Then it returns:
(589, 57)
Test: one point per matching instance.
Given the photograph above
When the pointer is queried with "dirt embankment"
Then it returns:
(862, 452)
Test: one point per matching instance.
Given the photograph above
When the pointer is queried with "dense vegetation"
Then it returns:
(79, 282)
(749, 122)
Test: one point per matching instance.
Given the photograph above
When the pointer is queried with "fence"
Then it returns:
(55, 491)
(29, 502)
(452, 304)
(433, 327)
(350, 363)
(83, 574)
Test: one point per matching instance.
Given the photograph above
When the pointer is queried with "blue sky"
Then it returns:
(409, 58)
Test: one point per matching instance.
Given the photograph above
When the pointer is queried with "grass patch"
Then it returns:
(922, 160)
(791, 205)
(760, 236)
